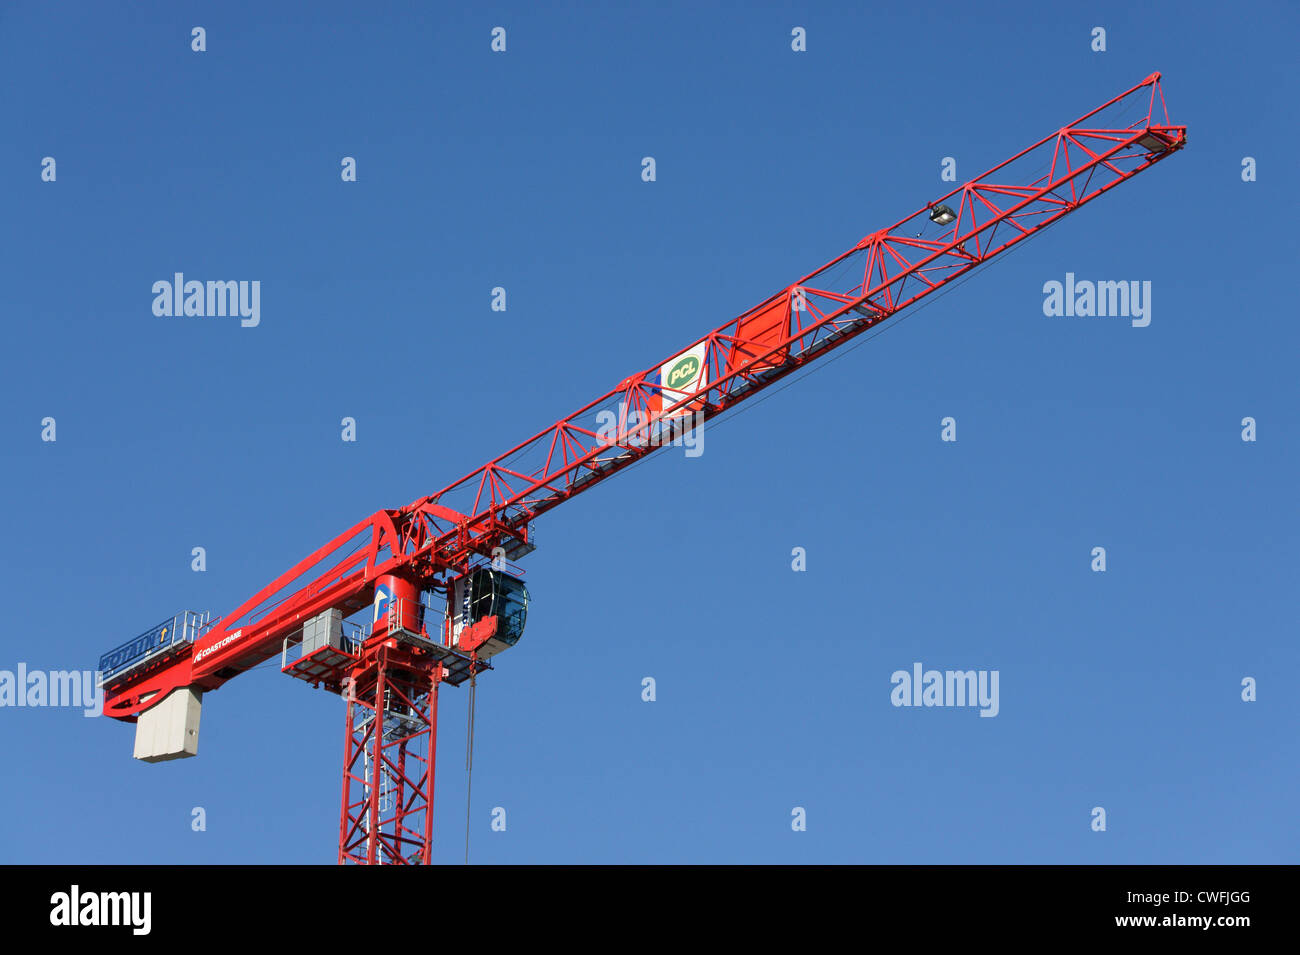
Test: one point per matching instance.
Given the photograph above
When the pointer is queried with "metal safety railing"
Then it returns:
(350, 641)
(414, 616)
(420, 617)
(184, 627)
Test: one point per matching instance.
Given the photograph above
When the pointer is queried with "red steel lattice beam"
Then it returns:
(389, 754)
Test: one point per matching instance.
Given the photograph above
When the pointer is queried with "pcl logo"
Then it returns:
(683, 373)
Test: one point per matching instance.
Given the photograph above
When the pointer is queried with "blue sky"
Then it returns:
(1119, 689)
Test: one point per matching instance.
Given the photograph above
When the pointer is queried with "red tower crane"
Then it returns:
(426, 594)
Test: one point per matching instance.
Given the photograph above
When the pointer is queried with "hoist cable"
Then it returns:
(469, 748)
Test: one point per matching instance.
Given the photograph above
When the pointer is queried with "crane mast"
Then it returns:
(436, 578)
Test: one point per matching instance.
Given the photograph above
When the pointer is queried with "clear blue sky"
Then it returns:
(522, 170)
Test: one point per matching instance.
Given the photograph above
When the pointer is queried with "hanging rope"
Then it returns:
(469, 745)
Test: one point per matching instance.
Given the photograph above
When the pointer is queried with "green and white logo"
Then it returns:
(683, 373)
